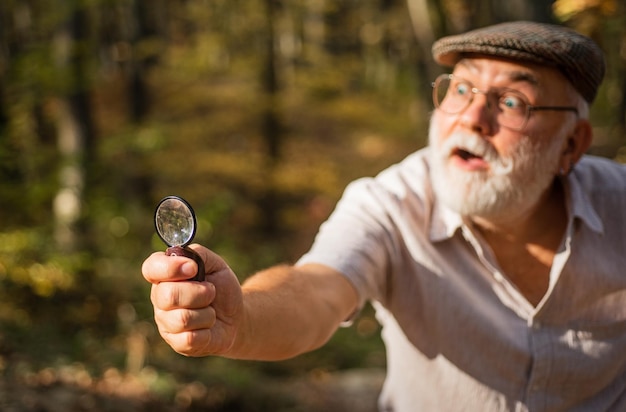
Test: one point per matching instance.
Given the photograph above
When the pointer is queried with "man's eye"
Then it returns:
(512, 102)
(462, 89)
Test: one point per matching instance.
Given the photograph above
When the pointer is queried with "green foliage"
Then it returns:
(22, 264)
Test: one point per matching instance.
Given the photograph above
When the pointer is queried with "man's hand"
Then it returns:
(195, 318)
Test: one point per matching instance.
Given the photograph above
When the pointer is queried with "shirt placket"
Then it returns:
(539, 336)
(514, 300)
(540, 346)
(541, 339)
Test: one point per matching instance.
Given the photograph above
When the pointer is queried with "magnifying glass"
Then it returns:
(175, 223)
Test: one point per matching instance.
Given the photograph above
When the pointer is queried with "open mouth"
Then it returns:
(465, 155)
(468, 160)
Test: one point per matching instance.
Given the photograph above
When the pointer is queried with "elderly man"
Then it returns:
(495, 258)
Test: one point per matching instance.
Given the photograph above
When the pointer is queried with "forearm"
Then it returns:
(289, 311)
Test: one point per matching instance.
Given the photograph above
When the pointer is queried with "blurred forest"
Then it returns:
(258, 113)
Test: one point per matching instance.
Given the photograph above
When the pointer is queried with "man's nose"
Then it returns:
(478, 115)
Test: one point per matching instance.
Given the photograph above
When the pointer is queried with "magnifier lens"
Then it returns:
(175, 221)
(175, 224)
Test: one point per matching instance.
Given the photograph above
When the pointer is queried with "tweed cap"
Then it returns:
(578, 57)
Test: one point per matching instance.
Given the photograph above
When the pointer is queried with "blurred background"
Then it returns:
(258, 113)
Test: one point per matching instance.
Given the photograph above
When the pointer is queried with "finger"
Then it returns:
(185, 320)
(212, 261)
(182, 295)
(189, 343)
(218, 271)
(160, 268)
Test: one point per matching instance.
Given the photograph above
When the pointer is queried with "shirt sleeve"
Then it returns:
(356, 238)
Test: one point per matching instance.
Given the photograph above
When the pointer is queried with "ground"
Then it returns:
(353, 390)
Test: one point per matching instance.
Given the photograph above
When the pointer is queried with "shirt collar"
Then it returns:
(444, 222)
(579, 205)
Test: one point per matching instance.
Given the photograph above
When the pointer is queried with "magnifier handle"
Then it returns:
(186, 252)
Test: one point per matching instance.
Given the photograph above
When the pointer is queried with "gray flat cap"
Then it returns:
(577, 56)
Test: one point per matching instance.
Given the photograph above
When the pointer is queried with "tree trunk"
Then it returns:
(143, 29)
(75, 133)
(271, 127)
(425, 35)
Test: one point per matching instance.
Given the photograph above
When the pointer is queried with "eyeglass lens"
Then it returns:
(453, 95)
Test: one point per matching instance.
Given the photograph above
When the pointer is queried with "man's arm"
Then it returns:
(295, 309)
(278, 313)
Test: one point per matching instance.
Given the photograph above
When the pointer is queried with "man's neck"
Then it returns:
(525, 243)
(546, 216)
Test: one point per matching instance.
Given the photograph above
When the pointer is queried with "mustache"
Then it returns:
(477, 146)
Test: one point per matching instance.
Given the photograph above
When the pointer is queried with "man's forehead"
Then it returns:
(508, 69)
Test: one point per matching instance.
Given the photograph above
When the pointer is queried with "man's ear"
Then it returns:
(576, 145)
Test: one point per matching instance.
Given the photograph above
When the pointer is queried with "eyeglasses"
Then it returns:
(452, 95)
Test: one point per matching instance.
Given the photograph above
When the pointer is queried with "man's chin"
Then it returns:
(464, 180)
(469, 193)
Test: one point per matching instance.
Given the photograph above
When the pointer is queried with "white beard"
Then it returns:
(510, 187)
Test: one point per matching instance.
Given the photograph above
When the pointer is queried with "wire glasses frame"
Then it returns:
(453, 94)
